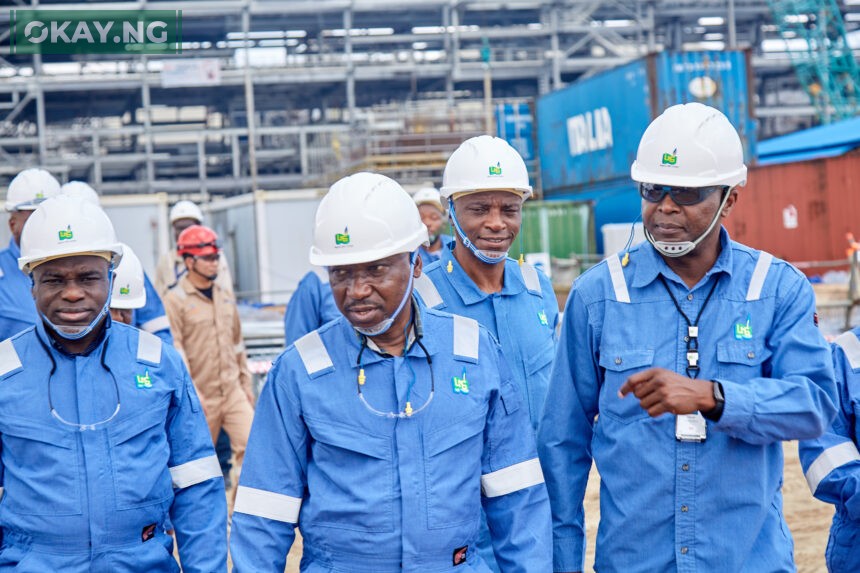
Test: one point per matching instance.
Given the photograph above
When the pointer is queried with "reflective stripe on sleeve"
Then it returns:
(762, 265)
(465, 337)
(428, 291)
(9, 360)
(512, 478)
(156, 324)
(849, 344)
(268, 504)
(619, 283)
(148, 347)
(829, 460)
(313, 353)
(530, 277)
(194, 472)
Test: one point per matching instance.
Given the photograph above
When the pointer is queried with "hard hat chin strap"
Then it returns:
(78, 332)
(382, 327)
(681, 248)
(489, 257)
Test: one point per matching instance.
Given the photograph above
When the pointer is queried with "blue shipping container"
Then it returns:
(589, 132)
(515, 124)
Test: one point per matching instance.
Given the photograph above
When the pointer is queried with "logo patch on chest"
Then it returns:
(542, 318)
(143, 380)
(460, 385)
(743, 330)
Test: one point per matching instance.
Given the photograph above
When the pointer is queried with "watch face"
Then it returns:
(718, 392)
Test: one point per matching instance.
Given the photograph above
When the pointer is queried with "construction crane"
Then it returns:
(823, 61)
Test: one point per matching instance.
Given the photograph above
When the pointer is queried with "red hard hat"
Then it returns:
(197, 241)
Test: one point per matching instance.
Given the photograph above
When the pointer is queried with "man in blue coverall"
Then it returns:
(382, 434)
(832, 464)
(102, 434)
(26, 191)
(485, 183)
(310, 307)
(682, 365)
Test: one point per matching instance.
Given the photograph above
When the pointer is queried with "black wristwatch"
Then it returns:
(715, 413)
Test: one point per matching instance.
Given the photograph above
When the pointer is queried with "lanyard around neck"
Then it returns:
(692, 338)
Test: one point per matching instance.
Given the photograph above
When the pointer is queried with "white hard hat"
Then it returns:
(82, 190)
(65, 226)
(185, 210)
(128, 288)
(29, 188)
(485, 163)
(428, 196)
(365, 217)
(690, 145)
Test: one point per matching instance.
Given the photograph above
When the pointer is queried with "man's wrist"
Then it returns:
(714, 414)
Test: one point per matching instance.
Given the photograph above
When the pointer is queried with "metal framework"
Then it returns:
(823, 59)
(310, 89)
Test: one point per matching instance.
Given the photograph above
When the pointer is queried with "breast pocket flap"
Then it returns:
(746, 354)
(351, 439)
(439, 441)
(619, 360)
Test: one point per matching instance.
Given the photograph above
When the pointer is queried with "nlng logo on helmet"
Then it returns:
(66, 234)
(670, 158)
(496, 169)
(342, 238)
(124, 290)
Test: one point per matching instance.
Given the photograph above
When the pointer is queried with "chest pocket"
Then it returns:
(43, 474)
(351, 477)
(139, 457)
(740, 361)
(538, 367)
(452, 472)
(618, 364)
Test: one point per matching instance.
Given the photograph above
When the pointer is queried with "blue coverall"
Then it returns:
(17, 309)
(384, 494)
(96, 499)
(670, 505)
(832, 464)
(311, 306)
(522, 317)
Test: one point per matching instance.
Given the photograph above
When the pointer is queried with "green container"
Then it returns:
(564, 229)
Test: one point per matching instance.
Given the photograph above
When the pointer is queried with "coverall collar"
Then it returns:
(650, 264)
(465, 287)
(49, 341)
(354, 338)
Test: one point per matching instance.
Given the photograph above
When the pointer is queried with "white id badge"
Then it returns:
(691, 428)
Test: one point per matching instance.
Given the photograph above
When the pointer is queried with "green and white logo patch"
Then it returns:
(143, 380)
(460, 385)
(342, 238)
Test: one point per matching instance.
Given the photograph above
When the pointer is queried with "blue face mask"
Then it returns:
(489, 257)
(383, 326)
(78, 332)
